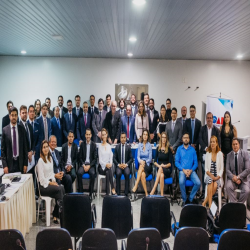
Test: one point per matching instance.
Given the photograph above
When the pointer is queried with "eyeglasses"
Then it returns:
(168, 103)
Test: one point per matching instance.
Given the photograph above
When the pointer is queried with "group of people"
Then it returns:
(182, 143)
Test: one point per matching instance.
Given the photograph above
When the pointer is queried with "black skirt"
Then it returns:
(148, 169)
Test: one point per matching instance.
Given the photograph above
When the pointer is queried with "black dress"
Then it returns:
(226, 143)
(164, 158)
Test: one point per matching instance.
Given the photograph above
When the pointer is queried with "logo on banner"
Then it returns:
(218, 120)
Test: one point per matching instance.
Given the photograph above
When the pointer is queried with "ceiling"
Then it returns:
(165, 29)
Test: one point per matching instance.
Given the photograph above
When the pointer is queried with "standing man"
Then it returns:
(183, 117)
(69, 121)
(168, 110)
(62, 109)
(122, 159)
(69, 156)
(146, 101)
(56, 127)
(13, 146)
(87, 162)
(107, 107)
(92, 109)
(50, 113)
(238, 169)
(6, 119)
(122, 109)
(128, 125)
(77, 109)
(84, 122)
(98, 121)
(133, 103)
(153, 118)
(113, 124)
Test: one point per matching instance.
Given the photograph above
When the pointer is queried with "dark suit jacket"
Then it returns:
(67, 125)
(80, 111)
(117, 158)
(50, 114)
(113, 129)
(97, 123)
(6, 121)
(119, 112)
(6, 147)
(58, 168)
(64, 156)
(32, 146)
(64, 111)
(56, 131)
(124, 124)
(37, 135)
(92, 154)
(95, 110)
(39, 120)
(153, 125)
(135, 112)
(81, 128)
(106, 108)
(188, 129)
(175, 139)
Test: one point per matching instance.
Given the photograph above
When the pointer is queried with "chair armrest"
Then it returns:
(93, 214)
(212, 219)
(123, 245)
(165, 245)
(175, 223)
(80, 246)
(132, 226)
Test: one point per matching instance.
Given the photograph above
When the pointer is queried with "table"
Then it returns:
(19, 212)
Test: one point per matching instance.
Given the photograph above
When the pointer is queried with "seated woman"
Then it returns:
(144, 157)
(106, 161)
(213, 170)
(163, 159)
(46, 177)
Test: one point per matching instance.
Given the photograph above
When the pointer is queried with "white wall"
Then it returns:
(23, 79)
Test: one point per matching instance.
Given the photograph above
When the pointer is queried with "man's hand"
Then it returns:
(171, 148)
(193, 145)
(25, 169)
(206, 149)
(108, 165)
(115, 141)
(152, 136)
(30, 156)
(120, 166)
(109, 140)
(86, 168)
(234, 179)
(69, 167)
(59, 175)
(134, 142)
(80, 142)
(6, 170)
(238, 182)
(185, 171)
(99, 134)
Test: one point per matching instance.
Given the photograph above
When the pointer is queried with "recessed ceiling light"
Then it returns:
(130, 54)
(239, 56)
(132, 39)
(57, 37)
(139, 2)
(23, 52)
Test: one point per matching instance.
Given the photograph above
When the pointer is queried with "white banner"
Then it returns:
(218, 107)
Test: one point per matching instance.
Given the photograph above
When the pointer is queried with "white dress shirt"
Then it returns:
(105, 155)
(209, 134)
(124, 149)
(17, 140)
(69, 162)
(88, 152)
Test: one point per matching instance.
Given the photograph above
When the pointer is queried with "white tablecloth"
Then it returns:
(19, 212)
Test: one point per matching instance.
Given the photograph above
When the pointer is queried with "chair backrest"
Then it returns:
(37, 181)
(137, 239)
(193, 216)
(190, 238)
(53, 238)
(116, 215)
(11, 239)
(234, 239)
(136, 160)
(232, 215)
(155, 212)
(99, 239)
(76, 213)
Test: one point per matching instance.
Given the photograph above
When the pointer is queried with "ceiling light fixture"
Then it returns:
(139, 2)
(130, 54)
(23, 52)
(239, 56)
(132, 39)
(57, 37)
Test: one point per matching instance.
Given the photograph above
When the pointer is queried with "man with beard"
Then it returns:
(183, 117)
(50, 113)
(134, 107)
(153, 118)
(63, 110)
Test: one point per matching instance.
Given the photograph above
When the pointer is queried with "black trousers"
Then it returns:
(56, 192)
(15, 166)
(126, 173)
(66, 182)
(92, 174)
(72, 174)
(109, 177)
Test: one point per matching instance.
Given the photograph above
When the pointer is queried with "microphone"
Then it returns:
(18, 242)
(187, 88)
(235, 122)
(147, 243)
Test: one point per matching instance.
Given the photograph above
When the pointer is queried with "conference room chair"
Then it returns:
(232, 239)
(77, 214)
(117, 214)
(98, 239)
(141, 238)
(191, 238)
(11, 239)
(53, 238)
(47, 201)
(191, 216)
(155, 212)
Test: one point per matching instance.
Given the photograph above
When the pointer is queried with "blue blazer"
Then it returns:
(132, 134)
(67, 126)
(81, 128)
(56, 131)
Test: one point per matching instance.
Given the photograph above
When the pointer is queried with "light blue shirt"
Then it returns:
(144, 155)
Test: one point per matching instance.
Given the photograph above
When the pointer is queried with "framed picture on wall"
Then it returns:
(125, 91)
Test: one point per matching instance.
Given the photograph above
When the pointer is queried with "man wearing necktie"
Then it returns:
(56, 127)
(238, 170)
(183, 117)
(134, 105)
(128, 125)
(153, 118)
(77, 109)
(92, 109)
(122, 109)
(14, 150)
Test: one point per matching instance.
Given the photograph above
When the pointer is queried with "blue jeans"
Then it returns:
(195, 179)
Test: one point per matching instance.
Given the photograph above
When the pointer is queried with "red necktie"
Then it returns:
(85, 120)
(128, 128)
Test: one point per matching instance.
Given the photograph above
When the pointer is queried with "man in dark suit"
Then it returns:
(56, 127)
(77, 109)
(168, 110)
(113, 124)
(107, 107)
(128, 125)
(13, 146)
(153, 119)
(183, 117)
(69, 156)
(122, 110)
(146, 101)
(192, 127)
(122, 159)
(63, 110)
(133, 103)
(50, 113)
(69, 121)
(6, 119)
(59, 171)
(98, 121)
(84, 122)
(92, 109)
(238, 170)
(87, 162)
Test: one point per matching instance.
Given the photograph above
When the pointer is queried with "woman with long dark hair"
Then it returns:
(37, 106)
(141, 120)
(163, 120)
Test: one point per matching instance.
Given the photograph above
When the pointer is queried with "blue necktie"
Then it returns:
(58, 123)
(192, 131)
(70, 118)
(55, 159)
